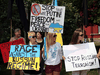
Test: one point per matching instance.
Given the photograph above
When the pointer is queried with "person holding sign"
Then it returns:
(16, 37)
(77, 39)
(32, 37)
(98, 56)
(54, 55)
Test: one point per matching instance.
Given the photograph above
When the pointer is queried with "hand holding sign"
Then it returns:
(5, 48)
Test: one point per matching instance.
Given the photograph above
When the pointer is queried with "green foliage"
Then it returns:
(5, 24)
(70, 24)
(93, 11)
(72, 17)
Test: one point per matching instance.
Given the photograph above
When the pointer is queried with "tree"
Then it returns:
(70, 24)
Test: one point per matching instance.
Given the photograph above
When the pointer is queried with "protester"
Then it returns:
(77, 39)
(40, 41)
(32, 41)
(98, 56)
(40, 36)
(16, 37)
(54, 55)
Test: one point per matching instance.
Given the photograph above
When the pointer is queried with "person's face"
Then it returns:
(18, 34)
(32, 37)
(80, 36)
(38, 35)
(54, 37)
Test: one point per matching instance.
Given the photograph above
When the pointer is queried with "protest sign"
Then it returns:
(47, 18)
(26, 57)
(5, 48)
(19, 41)
(80, 57)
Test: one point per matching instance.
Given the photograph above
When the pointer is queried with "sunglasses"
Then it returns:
(32, 36)
(81, 35)
(55, 36)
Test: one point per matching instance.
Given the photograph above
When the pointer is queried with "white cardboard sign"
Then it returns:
(47, 18)
(80, 57)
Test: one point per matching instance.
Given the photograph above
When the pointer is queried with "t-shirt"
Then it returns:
(33, 71)
(54, 54)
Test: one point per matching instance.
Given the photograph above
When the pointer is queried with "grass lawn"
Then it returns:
(4, 71)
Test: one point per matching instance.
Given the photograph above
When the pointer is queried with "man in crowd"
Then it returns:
(16, 37)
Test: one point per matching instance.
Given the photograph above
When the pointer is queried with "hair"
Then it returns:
(42, 34)
(75, 36)
(49, 38)
(17, 30)
(33, 31)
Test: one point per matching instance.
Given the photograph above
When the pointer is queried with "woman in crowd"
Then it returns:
(40, 41)
(77, 39)
(40, 36)
(32, 39)
(98, 56)
(54, 55)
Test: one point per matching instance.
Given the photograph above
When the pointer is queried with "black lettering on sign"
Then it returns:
(36, 64)
(9, 65)
(16, 48)
(29, 49)
(32, 65)
(68, 59)
(84, 64)
(33, 49)
(15, 59)
(22, 47)
(17, 66)
(42, 20)
(73, 58)
(47, 7)
(33, 18)
(11, 54)
(26, 63)
(13, 65)
(25, 58)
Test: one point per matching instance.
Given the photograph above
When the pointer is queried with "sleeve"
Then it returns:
(11, 39)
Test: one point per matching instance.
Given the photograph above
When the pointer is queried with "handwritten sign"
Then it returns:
(26, 57)
(5, 48)
(47, 18)
(80, 57)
